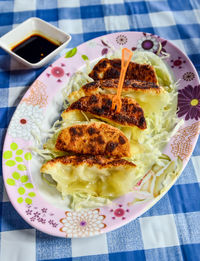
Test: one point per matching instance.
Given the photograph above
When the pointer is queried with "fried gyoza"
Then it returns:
(110, 69)
(149, 96)
(99, 106)
(94, 175)
(93, 138)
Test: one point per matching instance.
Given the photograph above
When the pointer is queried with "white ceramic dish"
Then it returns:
(40, 204)
(27, 28)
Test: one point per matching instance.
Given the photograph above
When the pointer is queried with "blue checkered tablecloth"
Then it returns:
(169, 231)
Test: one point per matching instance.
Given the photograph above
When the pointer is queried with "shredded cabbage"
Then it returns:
(84, 200)
(147, 145)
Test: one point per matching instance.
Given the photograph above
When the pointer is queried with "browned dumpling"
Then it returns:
(95, 139)
(110, 69)
(98, 176)
(99, 105)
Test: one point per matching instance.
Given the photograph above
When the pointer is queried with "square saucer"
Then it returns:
(30, 27)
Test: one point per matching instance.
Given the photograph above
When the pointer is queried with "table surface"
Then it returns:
(165, 232)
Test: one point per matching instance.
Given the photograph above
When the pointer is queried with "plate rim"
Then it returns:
(154, 201)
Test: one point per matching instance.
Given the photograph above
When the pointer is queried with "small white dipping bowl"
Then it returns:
(29, 27)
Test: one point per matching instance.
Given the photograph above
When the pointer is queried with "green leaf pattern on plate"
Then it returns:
(21, 167)
(71, 53)
(20, 200)
(21, 191)
(7, 154)
(84, 57)
(18, 159)
(10, 163)
(28, 201)
(24, 178)
(28, 156)
(19, 152)
(16, 175)
(29, 185)
(10, 182)
(13, 146)
(31, 194)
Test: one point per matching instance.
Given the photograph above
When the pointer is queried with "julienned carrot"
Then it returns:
(126, 58)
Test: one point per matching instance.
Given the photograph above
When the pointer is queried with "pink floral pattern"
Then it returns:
(151, 43)
(148, 43)
(163, 44)
(188, 76)
(82, 223)
(119, 212)
(25, 121)
(106, 47)
(178, 63)
(57, 72)
(40, 215)
(121, 39)
(38, 95)
(182, 142)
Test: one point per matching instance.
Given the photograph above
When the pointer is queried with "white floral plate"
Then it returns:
(43, 208)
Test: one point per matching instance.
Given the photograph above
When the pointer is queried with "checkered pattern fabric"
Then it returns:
(168, 231)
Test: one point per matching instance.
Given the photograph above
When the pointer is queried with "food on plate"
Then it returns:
(149, 96)
(128, 86)
(94, 138)
(97, 154)
(94, 175)
(110, 69)
(99, 106)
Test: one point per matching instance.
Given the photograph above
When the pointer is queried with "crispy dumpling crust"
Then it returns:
(94, 139)
(128, 85)
(109, 69)
(78, 160)
(131, 113)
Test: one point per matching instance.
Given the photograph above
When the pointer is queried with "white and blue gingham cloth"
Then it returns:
(169, 231)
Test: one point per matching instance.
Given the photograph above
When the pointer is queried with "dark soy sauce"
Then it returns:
(34, 48)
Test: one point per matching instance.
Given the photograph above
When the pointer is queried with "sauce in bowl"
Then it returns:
(35, 48)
